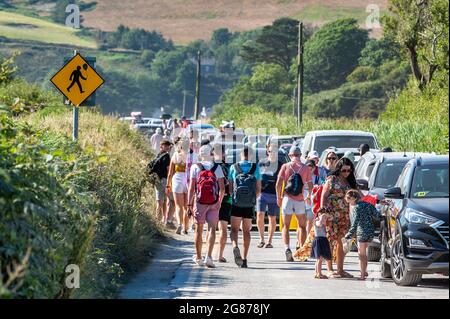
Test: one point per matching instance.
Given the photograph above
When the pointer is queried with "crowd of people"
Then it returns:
(198, 188)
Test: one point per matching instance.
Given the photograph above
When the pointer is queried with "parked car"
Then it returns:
(284, 139)
(414, 231)
(251, 139)
(321, 140)
(339, 152)
(285, 148)
(375, 173)
(153, 124)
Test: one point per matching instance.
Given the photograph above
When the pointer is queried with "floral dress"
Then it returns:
(338, 208)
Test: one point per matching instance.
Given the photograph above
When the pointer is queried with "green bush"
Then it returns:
(86, 203)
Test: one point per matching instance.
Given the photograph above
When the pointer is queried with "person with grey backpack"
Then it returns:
(245, 179)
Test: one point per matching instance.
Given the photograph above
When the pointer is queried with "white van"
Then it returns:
(321, 140)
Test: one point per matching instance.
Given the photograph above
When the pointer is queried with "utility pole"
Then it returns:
(184, 103)
(197, 88)
(294, 100)
(300, 75)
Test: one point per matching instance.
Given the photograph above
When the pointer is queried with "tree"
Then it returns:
(220, 37)
(332, 54)
(277, 44)
(376, 52)
(421, 28)
(270, 78)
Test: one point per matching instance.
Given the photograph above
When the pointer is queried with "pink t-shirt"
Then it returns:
(288, 169)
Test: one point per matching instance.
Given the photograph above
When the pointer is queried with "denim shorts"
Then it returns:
(267, 203)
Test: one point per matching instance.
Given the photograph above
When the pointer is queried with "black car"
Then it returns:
(414, 230)
(375, 173)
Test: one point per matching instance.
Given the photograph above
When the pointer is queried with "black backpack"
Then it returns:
(155, 165)
(294, 184)
(244, 187)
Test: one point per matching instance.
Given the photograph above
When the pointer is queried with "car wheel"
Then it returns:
(385, 267)
(373, 254)
(400, 275)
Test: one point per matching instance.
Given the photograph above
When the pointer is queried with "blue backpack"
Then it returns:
(244, 187)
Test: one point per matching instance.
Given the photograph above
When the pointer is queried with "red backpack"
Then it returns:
(207, 186)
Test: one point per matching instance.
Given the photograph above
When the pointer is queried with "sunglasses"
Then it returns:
(331, 158)
(346, 170)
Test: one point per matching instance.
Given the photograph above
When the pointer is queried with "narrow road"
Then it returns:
(173, 274)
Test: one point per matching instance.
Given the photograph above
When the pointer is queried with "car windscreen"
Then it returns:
(430, 181)
(388, 173)
(345, 141)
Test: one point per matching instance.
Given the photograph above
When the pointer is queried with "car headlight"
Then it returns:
(416, 217)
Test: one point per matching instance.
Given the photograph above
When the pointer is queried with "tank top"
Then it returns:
(180, 168)
(319, 231)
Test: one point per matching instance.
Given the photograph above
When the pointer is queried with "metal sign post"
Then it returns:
(77, 80)
(75, 115)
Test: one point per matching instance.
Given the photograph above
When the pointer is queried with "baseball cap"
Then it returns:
(295, 150)
(313, 154)
(205, 150)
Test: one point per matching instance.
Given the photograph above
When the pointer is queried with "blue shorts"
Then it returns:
(267, 203)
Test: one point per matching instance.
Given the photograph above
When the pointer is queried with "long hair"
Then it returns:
(351, 177)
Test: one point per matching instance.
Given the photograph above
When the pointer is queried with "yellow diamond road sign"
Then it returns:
(77, 80)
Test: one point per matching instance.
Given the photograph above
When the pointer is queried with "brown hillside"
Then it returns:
(187, 20)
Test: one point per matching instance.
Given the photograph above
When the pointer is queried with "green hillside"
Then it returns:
(20, 27)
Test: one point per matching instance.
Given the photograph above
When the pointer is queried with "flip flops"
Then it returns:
(269, 245)
(317, 276)
(346, 275)
(222, 260)
(261, 244)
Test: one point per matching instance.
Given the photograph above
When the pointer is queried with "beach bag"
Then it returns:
(316, 196)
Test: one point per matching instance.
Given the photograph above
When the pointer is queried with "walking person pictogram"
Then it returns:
(75, 78)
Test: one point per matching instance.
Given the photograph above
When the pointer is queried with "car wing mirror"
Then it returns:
(363, 184)
(394, 193)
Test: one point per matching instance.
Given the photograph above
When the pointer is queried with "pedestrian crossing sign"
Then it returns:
(77, 80)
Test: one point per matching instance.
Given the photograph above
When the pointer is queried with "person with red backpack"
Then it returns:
(206, 191)
(294, 175)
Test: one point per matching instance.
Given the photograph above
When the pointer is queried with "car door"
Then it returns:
(396, 205)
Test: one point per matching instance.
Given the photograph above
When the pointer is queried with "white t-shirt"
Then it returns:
(195, 170)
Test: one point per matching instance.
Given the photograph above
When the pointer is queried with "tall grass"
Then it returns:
(402, 135)
(126, 226)
(86, 203)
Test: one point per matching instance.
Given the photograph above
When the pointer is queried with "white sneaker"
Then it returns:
(209, 262)
(199, 262)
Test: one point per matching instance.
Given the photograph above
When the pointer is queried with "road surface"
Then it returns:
(173, 274)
